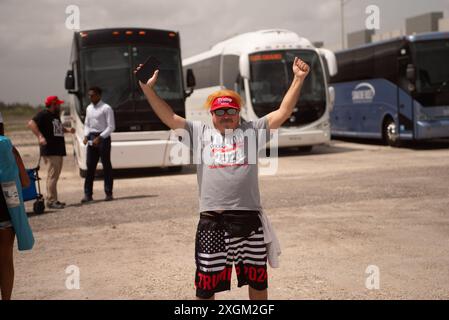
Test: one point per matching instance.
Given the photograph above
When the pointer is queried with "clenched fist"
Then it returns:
(300, 68)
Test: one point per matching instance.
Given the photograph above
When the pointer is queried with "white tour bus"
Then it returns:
(258, 65)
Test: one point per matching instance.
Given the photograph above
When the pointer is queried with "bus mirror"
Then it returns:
(411, 73)
(69, 80)
(331, 98)
(191, 82)
(330, 60)
(244, 66)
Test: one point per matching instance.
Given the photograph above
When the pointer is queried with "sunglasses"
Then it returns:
(221, 112)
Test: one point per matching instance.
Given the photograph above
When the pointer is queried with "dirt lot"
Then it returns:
(336, 210)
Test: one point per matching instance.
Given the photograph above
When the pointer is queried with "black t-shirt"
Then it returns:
(50, 126)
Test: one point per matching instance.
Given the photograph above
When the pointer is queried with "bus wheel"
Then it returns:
(390, 133)
(39, 206)
(83, 173)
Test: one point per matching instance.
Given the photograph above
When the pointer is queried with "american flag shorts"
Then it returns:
(217, 250)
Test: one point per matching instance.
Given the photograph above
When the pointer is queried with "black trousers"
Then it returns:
(103, 152)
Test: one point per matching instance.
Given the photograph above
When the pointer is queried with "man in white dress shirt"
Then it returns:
(98, 126)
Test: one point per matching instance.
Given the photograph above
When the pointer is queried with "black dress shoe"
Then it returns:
(109, 197)
(86, 199)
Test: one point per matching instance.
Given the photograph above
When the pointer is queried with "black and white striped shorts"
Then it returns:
(217, 249)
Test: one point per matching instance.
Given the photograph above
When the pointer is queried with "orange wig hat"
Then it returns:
(223, 98)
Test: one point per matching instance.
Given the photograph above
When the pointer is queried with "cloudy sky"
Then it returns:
(35, 44)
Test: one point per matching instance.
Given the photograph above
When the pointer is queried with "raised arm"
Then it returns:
(279, 116)
(160, 107)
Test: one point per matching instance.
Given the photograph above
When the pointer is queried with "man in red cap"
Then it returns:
(47, 127)
(232, 230)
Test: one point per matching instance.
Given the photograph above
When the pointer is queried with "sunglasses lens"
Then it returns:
(221, 112)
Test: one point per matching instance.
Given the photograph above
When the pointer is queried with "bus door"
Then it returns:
(405, 100)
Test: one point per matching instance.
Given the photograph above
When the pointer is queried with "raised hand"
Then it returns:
(151, 82)
(300, 68)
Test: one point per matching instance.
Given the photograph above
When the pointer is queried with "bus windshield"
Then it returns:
(169, 81)
(110, 68)
(271, 75)
(432, 66)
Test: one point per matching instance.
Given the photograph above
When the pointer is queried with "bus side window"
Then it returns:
(403, 82)
(230, 71)
(206, 72)
(385, 61)
(239, 86)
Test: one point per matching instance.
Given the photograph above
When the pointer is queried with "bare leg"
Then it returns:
(257, 294)
(6, 262)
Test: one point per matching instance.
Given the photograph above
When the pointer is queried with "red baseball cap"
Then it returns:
(51, 99)
(224, 102)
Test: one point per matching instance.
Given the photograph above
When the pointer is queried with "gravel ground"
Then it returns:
(336, 210)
